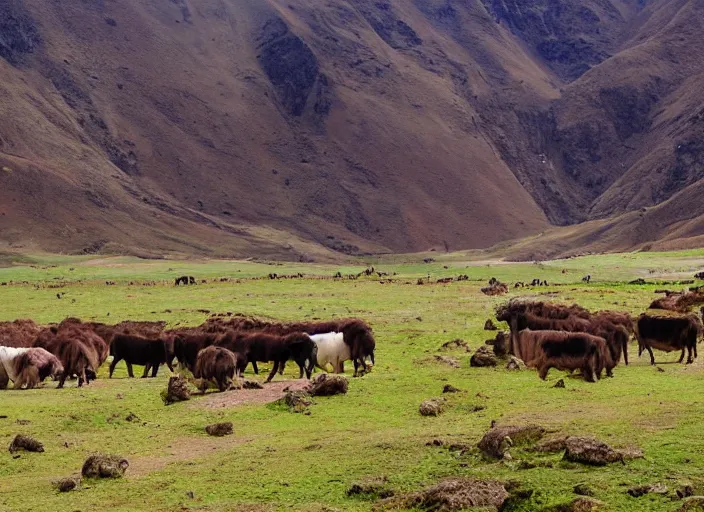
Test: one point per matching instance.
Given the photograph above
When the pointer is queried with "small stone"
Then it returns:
(587, 450)
(219, 429)
(483, 357)
(430, 408)
(104, 466)
(583, 490)
(515, 364)
(559, 384)
(448, 388)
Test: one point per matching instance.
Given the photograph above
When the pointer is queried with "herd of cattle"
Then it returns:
(543, 335)
(216, 351)
(547, 335)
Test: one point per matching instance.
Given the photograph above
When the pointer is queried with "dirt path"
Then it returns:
(271, 392)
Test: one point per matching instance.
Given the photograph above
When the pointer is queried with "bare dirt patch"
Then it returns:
(270, 393)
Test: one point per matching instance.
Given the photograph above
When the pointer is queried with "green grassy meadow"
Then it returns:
(278, 460)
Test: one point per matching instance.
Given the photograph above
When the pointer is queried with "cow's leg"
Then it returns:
(690, 351)
(543, 372)
(62, 380)
(282, 367)
(652, 357)
(129, 370)
(341, 367)
(113, 365)
(273, 371)
(155, 369)
(681, 355)
(82, 377)
(147, 367)
(301, 369)
(255, 368)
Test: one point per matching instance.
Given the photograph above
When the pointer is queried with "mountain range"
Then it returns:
(310, 129)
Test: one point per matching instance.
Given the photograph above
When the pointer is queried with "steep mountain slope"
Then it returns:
(303, 128)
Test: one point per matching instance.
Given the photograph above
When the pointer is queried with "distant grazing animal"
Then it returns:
(150, 353)
(27, 367)
(184, 280)
(699, 275)
(215, 364)
(587, 278)
(668, 333)
(564, 351)
(332, 350)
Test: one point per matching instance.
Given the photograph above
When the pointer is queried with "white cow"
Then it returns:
(332, 350)
(7, 364)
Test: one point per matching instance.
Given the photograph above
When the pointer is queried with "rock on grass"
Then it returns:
(483, 357)
(453, 494)
(498, 440)
(67, 484)
(587, 450)
(430, 408)
(693, 504)
(515, 364)
(374, 489)
(219, 429)
(328, 385)
(104, 466)
(177, 390)
(449, 388)
(26, 443)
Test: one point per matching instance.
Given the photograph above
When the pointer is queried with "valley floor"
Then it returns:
(277, 460)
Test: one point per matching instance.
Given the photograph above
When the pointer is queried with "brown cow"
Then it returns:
(77, 358)
(668, 333)
(150, 353)
(264, 347)
(564, 351)
(188, 342)
(215, 364)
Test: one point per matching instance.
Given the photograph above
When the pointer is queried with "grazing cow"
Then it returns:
(188, 342)
(216, 364)
(564, 351)
(699, 275)
(264, 347)
(587, 278)
(668, 333)
(27, 367)
(77, 358)
(150, 353)
(332, 350)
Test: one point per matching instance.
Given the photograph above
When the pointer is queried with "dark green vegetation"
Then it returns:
(279, 460)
